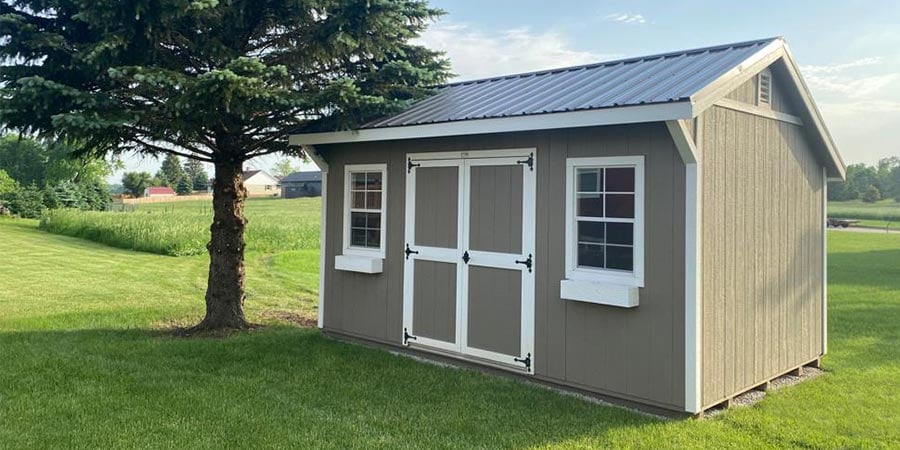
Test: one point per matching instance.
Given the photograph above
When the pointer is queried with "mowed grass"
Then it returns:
(84, 364)
(182, 228)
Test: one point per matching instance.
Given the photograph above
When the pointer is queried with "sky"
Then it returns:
(848, 51)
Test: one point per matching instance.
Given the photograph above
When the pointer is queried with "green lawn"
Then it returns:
(83, 364)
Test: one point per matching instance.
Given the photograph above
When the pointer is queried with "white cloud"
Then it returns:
(478, 54)
(626, 18)
(840, 67)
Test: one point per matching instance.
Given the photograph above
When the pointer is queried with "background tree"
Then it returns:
(283, 168)
(201, 181)
(7, 183)
(217, 81)
(194, 172)
(872, 194)
(135, 183)
(170, 172)
(44, 163)
(185, 187)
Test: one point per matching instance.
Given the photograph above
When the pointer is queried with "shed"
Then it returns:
(260, 184)
(159, 191)
(302, 184)
(649, 230)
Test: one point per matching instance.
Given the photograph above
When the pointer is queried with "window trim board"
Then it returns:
(360, 251)
(573, 272)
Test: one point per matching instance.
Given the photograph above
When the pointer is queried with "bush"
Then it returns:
(872, 195)
(27, 202)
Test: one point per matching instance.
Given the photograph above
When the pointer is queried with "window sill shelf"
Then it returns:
(356, 263)
(601, 293)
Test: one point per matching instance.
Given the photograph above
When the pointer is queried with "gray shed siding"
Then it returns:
(636, 354)
(762, 272)
(781, 100)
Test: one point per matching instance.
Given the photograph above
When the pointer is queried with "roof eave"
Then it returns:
(658, 112)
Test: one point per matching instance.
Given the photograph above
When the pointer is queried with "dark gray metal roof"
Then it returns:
(663, 78)
(298, 177)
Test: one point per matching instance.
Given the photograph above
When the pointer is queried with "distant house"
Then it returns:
(159, 191)
(259, 183)
(302, 184)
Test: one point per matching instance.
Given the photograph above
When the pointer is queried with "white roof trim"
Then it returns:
(608, 116)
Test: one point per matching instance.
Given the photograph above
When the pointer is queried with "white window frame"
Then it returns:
(634, 278)
(363, 251)
(759, 82)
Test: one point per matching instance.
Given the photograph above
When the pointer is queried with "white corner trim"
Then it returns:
(600, 293)
(607, 116)
(824, 260)
(323, 167)
(356, 263)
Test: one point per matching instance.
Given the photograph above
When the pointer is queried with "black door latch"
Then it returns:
(407, 337)
(527, 263)
(526, 360)
(466, 257)
(408, 251)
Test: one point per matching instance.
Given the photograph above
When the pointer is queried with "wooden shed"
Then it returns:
(650, 230)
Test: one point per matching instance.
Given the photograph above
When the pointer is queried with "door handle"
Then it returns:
(527, 263)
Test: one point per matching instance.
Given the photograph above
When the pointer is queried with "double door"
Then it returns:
(469, 267)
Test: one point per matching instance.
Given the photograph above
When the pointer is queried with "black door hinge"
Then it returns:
(529, 161)
(527, 263)
(526, 360)
(408, 251)
(410, 165)
(466, 257)
(407, 337)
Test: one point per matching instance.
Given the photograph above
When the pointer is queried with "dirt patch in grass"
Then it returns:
(181, 328)
(290, 317)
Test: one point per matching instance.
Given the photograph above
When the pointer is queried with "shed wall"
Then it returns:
(781, 97)
(636, 354)
(762, 251)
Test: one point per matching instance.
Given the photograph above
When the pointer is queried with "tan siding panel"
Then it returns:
(762, 300)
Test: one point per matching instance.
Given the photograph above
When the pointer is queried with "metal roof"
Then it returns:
(646, 80)
(302, 177)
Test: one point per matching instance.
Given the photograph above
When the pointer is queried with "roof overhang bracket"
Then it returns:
(684, 141)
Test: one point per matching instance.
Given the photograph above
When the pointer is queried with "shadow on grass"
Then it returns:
(281, 385)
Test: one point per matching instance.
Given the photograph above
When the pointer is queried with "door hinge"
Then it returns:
(527, 263)
(410, 165)
(529, 161)
(408, 251)
(466, 257)
(407, 337)
(526, 360)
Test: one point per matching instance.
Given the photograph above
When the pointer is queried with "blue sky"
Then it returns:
(849, 51)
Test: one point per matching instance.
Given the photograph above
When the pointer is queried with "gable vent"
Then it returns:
(764, 95)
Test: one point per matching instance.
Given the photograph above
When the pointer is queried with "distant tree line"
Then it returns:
(869, 183)
(183, 178)
(37, 175)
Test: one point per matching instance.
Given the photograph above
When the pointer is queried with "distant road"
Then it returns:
(865, 230)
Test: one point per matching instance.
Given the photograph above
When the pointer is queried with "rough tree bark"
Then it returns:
(225, 286)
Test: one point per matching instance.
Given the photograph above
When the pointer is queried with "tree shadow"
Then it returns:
(282, 385)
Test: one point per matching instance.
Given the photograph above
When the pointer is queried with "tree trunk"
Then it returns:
(225, 287)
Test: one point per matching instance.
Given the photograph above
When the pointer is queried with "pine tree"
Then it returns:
(170, 172)
(217, 81)
(184, 187)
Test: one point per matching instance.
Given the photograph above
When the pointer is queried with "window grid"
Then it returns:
(601, 190)
(368, 210)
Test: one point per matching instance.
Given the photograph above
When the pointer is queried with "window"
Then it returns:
(764, 93)
(364, 229)
(605, 219)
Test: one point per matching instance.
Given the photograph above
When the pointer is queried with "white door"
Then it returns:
(469, 272)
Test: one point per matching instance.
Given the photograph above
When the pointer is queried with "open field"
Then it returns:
(182, 228)
(885, 213)
(86, 365)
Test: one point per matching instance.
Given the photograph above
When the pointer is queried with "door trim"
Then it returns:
(464, 160)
